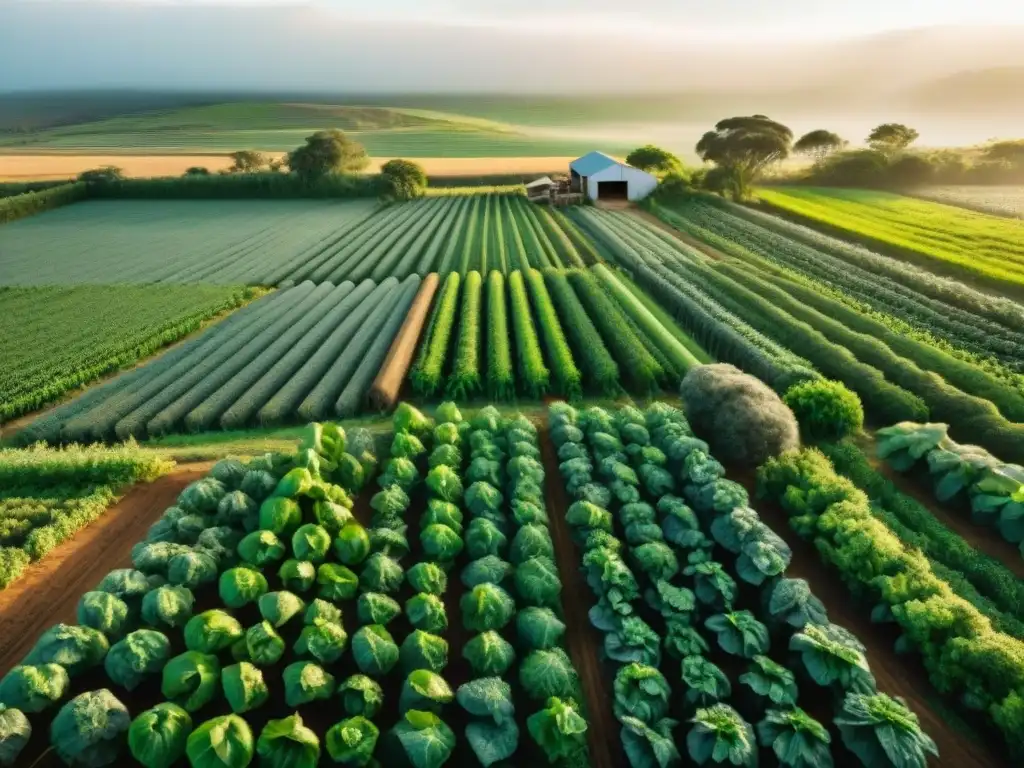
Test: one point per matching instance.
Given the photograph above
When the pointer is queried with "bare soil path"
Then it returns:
(902, 676)
(583, 640)
(49, 591)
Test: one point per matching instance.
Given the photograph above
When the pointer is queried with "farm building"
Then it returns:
(602, 177)
(540, 188)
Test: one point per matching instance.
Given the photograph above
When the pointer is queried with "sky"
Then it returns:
(514, 46)
(792, 19)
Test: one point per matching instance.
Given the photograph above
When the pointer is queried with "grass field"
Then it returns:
(967, 242)
(1001, 201)
(53, 340)
(385, 132)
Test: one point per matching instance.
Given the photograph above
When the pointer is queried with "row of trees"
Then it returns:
(324, 153)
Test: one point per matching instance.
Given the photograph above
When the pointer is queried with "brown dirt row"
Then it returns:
(40, 167)
(49, 591)
(903, 676)
(582, 639)
(386, 387)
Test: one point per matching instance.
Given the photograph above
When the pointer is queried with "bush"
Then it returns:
(403, 179)
(30, 203)
(826, 410)
(743, 420)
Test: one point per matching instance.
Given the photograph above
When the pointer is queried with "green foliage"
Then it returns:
(352, 741)
(744, 147)
(288, 743)
(653, 159)
(425, 739)
(720, 735)
(157, 737)
(223, 742)
(374, 650)
(327, 152)
(489, 654)
(826, 410)
(31, 203)
(881, 730)
(90, 729)
(558, 729)
(797, 739)
(425, 690)
(306, 682)
(138, 655)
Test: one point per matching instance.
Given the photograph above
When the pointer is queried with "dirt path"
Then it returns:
(903, 676)
(707, 250)
(582, 639)
(49, 591)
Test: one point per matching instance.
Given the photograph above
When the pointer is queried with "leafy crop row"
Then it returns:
(966, 658)
(635, 464)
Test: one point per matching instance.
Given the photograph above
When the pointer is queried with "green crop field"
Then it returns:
(384, 131)
(966, 242)
(616, 573)
(53, 340)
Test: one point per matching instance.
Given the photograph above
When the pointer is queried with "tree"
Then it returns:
(327, 152)
(104, 175)
(890, 138)
(197, 170)
(818, 144)
(744, 147)
(403, 179)
(653, 159)
(247, 161)
(1012, 151)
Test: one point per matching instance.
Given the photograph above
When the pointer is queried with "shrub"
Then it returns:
(743, 420)
(826, 410)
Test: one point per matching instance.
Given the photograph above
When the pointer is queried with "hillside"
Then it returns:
(281, 126)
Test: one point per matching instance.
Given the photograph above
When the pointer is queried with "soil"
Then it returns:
(40, 167)
(583, 640)
(48, 592)
(693, 242)
(386, 387)
(896, 675)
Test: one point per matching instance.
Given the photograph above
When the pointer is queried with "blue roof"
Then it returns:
(591, 163)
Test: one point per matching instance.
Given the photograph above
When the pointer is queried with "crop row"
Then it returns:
(310, 350)
(294, 573)
(537, 332)
(965, 242)
(53, 340)
(221, 242)
(656, 565)
(940, 307)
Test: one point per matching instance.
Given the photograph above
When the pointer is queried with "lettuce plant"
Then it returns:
(740, 633)
(720, 736)
(833, 657)
(558, 729)
(796, 738)
(882, 731)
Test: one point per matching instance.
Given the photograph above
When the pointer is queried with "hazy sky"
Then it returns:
(395, 45)
(754, 18)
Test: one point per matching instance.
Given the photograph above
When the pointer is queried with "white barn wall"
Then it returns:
(639, 183)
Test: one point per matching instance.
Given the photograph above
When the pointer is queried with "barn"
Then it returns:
(602, 177)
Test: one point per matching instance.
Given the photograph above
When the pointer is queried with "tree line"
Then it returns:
(742, 150)
(323, 155)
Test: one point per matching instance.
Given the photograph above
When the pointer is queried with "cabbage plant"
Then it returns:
(352, 741)
(288, 743)
(190, 680)
(157, 737)
(223, 742)
(89, 730)
(361, 695)
(548, 673)
(739, 633)
(425, 739)
(489, 654)
(305, 682)
(705, 683)
(833, 657)
(796, 738)
(650, 745)
(770, 680)
(374, 650)
(425, 690)
(33, 689)
(793, 602)
(422, 650)
(720, 736)
(488, 697)
(641, 692)
(244, 687)
(559, 730)
(376, 608)
(883, 731)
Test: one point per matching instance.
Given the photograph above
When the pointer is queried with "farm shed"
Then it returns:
(540, 188)
(603, 177)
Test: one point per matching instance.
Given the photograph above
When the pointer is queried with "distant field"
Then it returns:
(1001, 201)
(968, 242)
(226, 242)
(383, 131)
(65, 165)
(55, 339)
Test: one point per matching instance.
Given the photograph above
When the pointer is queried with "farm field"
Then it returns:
(384, 131)
(998, 200)
(945, 238)
(24, 165)
(423, 589)
(53, 340)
